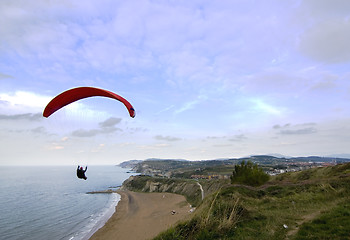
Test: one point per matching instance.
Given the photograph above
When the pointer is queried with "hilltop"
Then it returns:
(222, 168)
(309, 204)
(129, 164)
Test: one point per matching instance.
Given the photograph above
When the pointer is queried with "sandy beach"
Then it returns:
(143, 215)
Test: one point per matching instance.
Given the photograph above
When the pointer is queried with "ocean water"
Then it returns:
(52, 203)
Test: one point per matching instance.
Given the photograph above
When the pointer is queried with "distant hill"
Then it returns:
(181, 168)
(160, 159)
(298, 159)
(342, 155)
(129, 164)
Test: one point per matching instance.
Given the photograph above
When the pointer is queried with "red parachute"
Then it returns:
(78, 93)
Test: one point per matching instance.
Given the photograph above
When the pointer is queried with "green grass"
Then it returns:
(332, 224)
(313, 204)
(218, 216)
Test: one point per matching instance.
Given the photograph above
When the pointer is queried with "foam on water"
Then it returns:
(98, 221)
(51, 203)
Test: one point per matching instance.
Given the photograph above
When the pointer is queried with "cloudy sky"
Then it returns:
(208, 79)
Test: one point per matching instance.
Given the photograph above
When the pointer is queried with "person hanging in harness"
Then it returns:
(81, 172)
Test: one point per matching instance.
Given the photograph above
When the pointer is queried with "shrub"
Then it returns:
(249, 174)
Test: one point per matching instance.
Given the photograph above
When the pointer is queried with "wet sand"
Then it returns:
(143, 216)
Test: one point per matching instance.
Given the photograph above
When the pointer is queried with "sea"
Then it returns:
(50, 202)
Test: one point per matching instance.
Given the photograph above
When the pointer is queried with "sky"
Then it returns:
(207, 79)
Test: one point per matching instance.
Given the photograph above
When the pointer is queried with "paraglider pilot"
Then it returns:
(81, 172)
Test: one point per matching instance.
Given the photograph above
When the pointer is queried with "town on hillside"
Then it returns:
(222, 168)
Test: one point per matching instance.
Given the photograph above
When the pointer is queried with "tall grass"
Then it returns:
(215, 219)
(307, 205)
(332, 224)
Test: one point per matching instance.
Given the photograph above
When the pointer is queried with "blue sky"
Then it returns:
(208, 79)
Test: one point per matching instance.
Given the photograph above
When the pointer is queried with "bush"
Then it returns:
(249, 174)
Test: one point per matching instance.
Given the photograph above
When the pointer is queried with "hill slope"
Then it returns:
(311, 204)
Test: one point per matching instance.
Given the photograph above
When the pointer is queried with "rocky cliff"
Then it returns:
(188, 188)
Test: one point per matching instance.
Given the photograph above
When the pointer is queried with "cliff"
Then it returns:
(189, 188)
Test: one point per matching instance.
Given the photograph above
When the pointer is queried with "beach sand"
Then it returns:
(143, 216)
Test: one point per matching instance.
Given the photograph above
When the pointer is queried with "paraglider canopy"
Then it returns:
(78, 93)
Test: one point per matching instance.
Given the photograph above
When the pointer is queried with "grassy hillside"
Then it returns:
(184, 169)
(311, 204)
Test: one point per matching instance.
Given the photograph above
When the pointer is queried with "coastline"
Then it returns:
(143, 215)
(105, 216)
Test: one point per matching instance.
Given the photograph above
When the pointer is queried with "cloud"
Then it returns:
(25, 116)
(237, 138)
(191, 104)
(308, 130)
(165, 109)
(110, 122)
(40, 130)
(323, 9)
(64, 139)
(215, 137)
(55, 146)
(137, 130)
(273, 82)
(154, 146)
(187, 106)
(222, 145)
(4, 76)
(98, 148)
(22, 100)
(326, 28)
(105, 127)
(86, 133)
(277, 126)
(298, 129)
(94, 132)
(323, 85)
(261, 106)
(190, 66)
(167, 138)
(4, 103)
(327, 42)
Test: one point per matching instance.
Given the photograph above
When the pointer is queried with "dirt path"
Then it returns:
(309, 217)
(305, 218)
(202, 191)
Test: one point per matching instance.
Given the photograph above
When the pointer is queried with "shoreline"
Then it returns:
(106, 215)
(143, 215)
